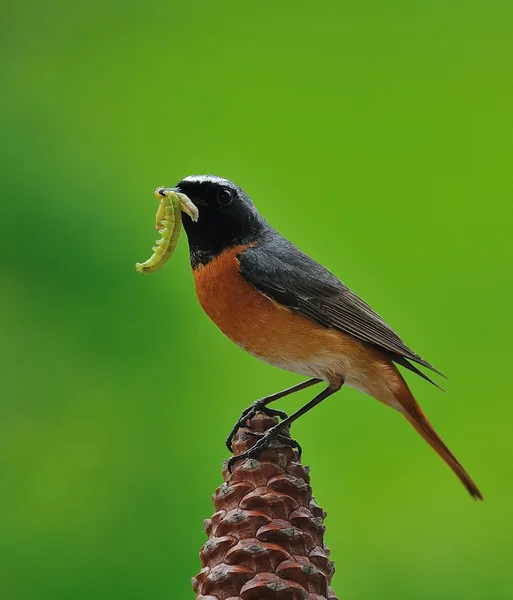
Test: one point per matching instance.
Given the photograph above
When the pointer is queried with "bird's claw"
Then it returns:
(263, 443)
(248, 414)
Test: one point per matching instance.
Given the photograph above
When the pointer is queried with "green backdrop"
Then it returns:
(377, 136)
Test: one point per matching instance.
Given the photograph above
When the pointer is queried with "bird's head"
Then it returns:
(227, 216)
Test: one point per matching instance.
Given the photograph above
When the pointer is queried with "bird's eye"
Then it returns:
(225, 196)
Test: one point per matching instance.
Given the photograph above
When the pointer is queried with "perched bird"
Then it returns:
(283, 307)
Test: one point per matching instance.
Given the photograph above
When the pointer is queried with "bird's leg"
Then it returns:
(260, 405)
(276, 432)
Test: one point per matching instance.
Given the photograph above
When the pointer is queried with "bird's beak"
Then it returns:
(186, 204)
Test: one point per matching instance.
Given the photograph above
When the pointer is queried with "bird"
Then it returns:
(283, 307)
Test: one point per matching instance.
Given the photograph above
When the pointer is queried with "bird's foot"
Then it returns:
(248, 414)
(264, 441)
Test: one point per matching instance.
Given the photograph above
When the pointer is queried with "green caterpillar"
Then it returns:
(168, 223)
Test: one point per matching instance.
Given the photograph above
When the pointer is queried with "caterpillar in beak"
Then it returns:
(168, 223)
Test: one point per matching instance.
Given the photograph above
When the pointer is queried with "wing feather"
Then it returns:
(282, 272)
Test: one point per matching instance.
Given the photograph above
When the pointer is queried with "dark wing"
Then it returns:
(281, 271)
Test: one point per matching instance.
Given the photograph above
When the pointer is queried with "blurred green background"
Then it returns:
(117, 391)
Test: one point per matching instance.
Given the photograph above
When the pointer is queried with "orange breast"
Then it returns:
(267, 329)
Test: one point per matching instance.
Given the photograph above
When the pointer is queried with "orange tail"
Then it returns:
(418, 419)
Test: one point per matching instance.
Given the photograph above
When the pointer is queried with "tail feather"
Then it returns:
(429, 434)
(419, 421)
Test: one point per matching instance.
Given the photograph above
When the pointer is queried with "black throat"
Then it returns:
(210, 236)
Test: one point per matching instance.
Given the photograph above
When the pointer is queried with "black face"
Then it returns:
(227, 217)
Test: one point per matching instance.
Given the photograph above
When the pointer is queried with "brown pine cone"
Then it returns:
(266, 540)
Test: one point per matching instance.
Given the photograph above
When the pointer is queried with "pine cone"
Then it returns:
(266, 540)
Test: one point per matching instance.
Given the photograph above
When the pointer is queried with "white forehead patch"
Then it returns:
(207, 179)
